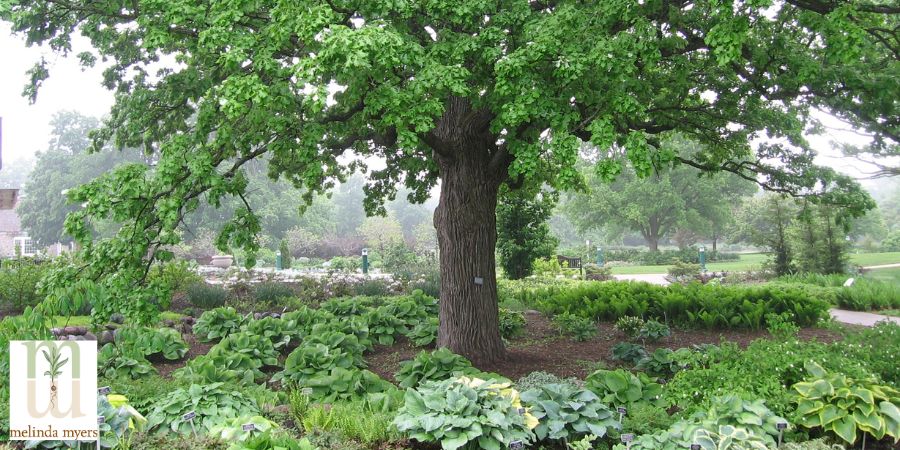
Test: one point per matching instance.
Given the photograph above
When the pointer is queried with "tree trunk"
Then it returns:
(715, 239)
(465, 220)
(652, 242)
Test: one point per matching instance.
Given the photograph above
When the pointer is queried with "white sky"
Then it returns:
(26, 127)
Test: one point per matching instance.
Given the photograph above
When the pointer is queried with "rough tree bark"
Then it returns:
(465, 220)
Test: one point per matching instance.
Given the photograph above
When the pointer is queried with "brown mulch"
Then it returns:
(540, 347)
(195, 349)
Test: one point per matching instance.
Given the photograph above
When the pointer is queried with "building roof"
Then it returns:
(9, 220)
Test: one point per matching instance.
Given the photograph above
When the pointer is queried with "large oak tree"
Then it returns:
(474, 94)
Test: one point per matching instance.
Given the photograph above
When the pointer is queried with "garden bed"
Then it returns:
(541, 348)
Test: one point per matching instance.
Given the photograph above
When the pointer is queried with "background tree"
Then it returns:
(64, 165)
(764, 221)
(15, 172)
(818, 240)
(475, 95)
(523, 231)
(658, 205)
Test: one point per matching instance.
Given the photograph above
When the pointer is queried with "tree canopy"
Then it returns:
(476, 94)
(657, 206)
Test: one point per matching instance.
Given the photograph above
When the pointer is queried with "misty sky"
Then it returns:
(26, 127)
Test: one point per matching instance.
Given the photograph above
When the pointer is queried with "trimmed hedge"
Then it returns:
(693, 305)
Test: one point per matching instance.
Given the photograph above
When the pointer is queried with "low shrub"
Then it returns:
(595, 272)
(19, 280)
(765, 370)
(629, 325)
(537, 379)
(628, 353)
(512, 323)
(578, 328)
(653, 331)
(271, 292)
(205, 296)
(865, 294)
(878, 348)
(693, 305)
(354, 420)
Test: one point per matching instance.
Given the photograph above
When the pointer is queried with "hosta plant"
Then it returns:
(512, 323)
(661, 363)
(383, 325)
(231, 430)
(567, 413)
(258, 348)
(466, 411)
(577, 327)
(628, 352)
(212, 405)
(340, 384)
(304, 317)
(846, 406)
(683, 436)
(348, 306)
(218, 323)
(653, 331)
(424, 333)
(348, 343)
(621, 387)
(279, 331)
(240, 369)
(114, 362)
(310, 360)
(437, 365)
(152, 342)
(753, 416)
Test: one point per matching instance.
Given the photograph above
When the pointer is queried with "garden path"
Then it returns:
(860, 318)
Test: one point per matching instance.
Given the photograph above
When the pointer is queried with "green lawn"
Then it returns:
(875, 259)
(755, 261)
(891, 275)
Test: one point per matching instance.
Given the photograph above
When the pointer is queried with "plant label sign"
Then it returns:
(622, 410)
(105, 390)
(781, 426)
(189, 416)
(307, 391)
(521, 411)
(628, 437)
(248, 427)
(479, 281)
(101, 420)
(516, 445)
(695, 446)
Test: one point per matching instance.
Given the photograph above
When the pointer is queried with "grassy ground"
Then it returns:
(755, 260)
(891, 275)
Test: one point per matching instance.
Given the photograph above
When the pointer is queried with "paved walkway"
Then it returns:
(860, 318)
(652, 278)
(883, 266)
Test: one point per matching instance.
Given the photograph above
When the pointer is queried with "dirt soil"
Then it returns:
(540, 347)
